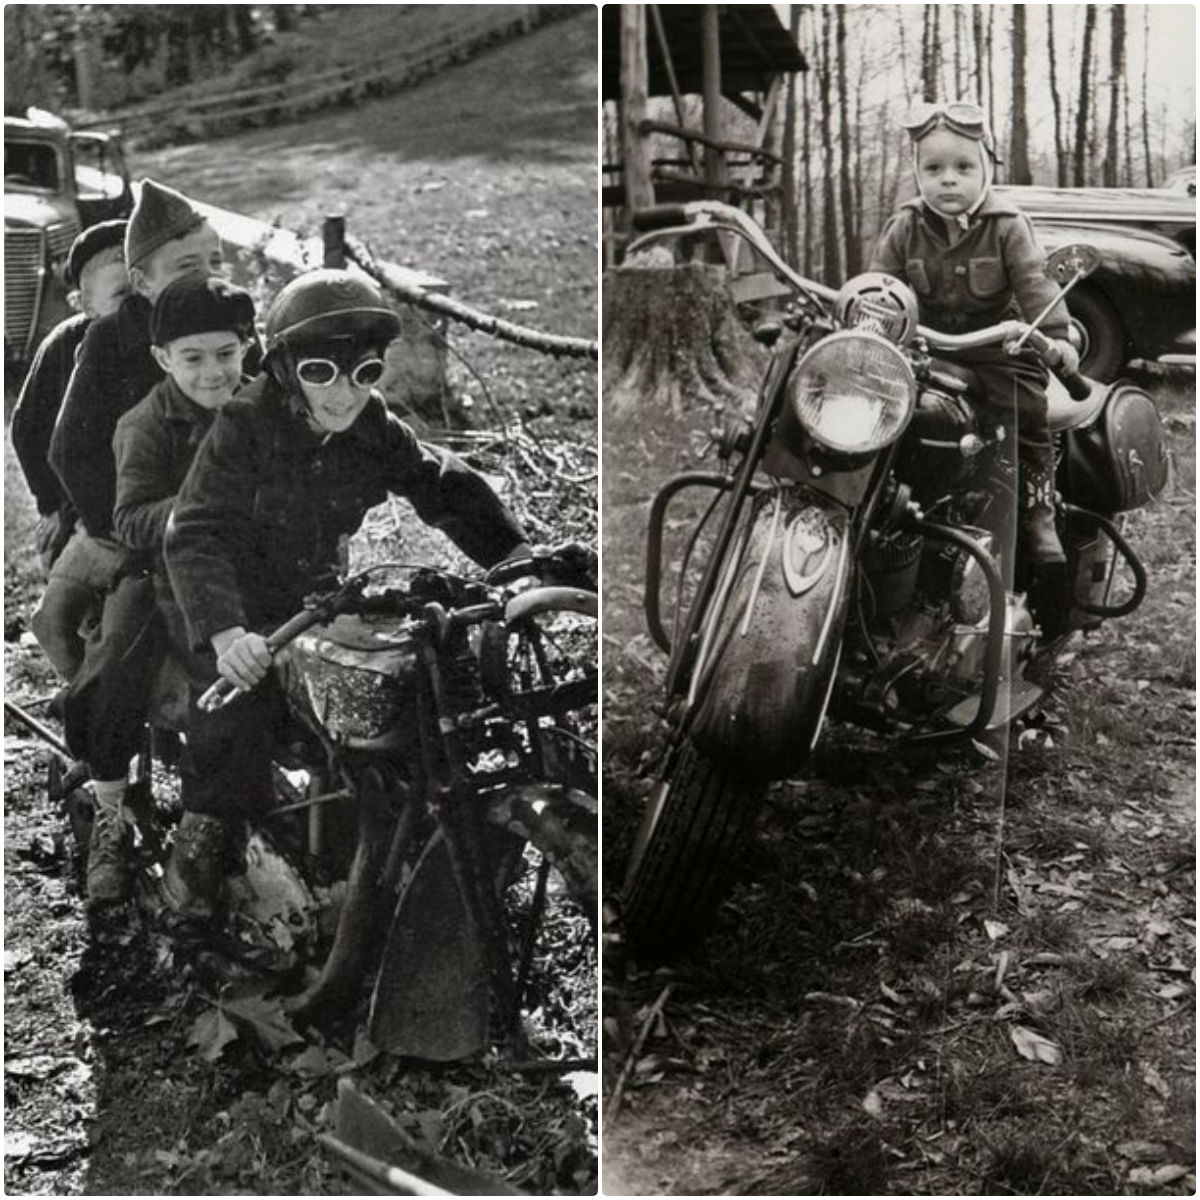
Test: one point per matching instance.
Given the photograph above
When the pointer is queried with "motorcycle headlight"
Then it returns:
(853, 392)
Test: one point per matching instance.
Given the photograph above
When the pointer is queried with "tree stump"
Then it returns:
(673, 339)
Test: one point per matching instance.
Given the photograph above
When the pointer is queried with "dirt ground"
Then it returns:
(859, 1021)
(486, 177)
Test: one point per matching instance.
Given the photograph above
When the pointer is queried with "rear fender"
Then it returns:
(769, 642)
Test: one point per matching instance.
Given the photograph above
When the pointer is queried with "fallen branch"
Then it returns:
(614, 1105)
(464, 314)
(32, 723)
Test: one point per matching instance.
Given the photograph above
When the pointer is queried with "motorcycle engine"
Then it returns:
(911, 660)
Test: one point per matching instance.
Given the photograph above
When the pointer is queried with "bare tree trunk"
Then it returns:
(791, 232)
(831, 265)
(1079, 179)
(1018, 155)
(904, 72)
(806, 94)
(1127, 163)
(1060, 154)
(958, 55)
(929, 54)
(714, 159)
(860, 183)
(977, 55)
(988, 58)
(1112, 147)
(846, 184)
(1145, 99)
(639, 191)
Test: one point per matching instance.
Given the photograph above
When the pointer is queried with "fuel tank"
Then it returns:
(769, 643)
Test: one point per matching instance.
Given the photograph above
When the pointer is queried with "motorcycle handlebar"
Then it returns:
(1005, 333)
(702, 214)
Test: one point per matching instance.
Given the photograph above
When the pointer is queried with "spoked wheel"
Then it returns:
(697, 818)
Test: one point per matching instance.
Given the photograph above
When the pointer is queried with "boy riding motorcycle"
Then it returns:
(289, 469)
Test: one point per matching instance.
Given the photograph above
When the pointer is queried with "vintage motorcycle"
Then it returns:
(441, 727)
(860, 560)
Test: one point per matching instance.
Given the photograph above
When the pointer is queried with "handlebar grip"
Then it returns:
(661, 216)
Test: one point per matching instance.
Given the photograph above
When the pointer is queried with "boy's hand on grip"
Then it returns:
(242, 658)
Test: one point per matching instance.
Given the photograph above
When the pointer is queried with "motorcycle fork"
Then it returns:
(445, 763)
(682, 653)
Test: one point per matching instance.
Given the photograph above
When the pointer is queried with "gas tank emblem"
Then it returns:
(810, 544)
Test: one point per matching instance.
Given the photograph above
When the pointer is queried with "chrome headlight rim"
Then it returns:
(876, 342)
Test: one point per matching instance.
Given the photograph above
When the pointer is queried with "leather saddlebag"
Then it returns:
(1120, 461)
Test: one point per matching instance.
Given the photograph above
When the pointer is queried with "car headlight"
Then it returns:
(853, 392)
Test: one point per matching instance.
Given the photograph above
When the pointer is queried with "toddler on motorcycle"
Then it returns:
(973, 260)
(287, 473)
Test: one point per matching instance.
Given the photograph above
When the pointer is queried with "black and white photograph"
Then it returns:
(301, 716)
(898, 525)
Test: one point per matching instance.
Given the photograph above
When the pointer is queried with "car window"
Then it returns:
(31, 165)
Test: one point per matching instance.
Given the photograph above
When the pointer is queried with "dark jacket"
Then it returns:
(258, 520)
(155, 443)
(153, 446)
(38, 407)
(114, 371)
(992, 273)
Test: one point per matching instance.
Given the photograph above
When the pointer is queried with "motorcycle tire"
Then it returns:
(680, 870)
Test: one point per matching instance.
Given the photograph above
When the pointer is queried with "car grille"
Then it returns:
(61, 237)
(24, 254)
(23, 258)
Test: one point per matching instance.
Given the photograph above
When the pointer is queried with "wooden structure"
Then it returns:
(723, 67)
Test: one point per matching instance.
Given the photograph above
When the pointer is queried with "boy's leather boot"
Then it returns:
(1038, 531)
(199, 863)
(110, 850)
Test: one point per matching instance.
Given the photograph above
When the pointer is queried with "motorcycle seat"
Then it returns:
(1064, 414)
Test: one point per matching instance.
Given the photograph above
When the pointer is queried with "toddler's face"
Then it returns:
(950, 171)
(104, 283)
(206, 367)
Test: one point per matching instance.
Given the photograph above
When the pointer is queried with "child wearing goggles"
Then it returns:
(973, 261)
(285, 476)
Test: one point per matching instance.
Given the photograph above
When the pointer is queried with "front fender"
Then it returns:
(769, 643)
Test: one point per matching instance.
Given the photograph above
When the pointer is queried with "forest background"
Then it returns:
(1079, 95)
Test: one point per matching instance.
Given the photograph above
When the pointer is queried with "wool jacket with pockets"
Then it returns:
(991, 274)
(257, 523)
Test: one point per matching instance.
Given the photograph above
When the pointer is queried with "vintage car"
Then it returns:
(56, 182)
(1141, 302)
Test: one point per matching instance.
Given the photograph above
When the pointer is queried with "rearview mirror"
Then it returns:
(1072, 262)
